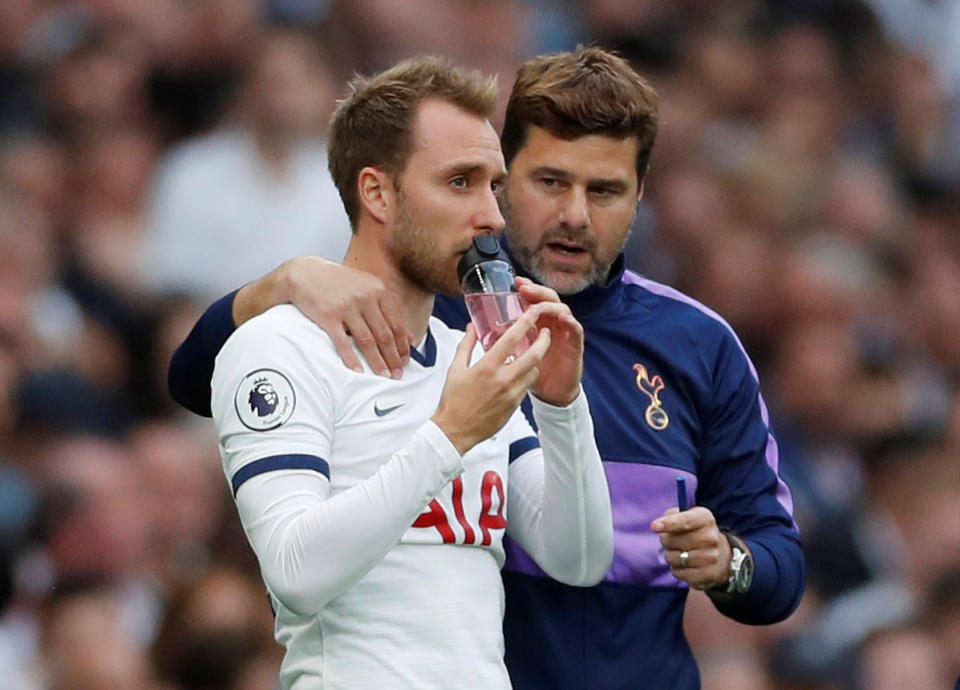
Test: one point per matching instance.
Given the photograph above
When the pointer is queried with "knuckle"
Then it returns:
(323, 312)
(483, 368)
(504, 381)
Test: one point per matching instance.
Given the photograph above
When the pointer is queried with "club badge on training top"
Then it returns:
(655, 415)
(264, 400)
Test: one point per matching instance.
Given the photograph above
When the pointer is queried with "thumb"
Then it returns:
(466, 346)
(660, 525)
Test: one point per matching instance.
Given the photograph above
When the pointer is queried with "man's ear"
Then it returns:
(376, 193)
(640, 191)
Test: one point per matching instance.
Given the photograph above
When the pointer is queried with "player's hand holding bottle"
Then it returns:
(478, 400)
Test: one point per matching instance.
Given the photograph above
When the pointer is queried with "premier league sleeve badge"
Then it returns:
(264, 400)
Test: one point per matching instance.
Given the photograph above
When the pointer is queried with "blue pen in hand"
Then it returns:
(681, 494)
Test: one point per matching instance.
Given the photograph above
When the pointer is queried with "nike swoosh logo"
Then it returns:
(386, 410)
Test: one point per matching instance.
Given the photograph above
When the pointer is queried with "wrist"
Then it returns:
(242, 310)
(739, 571)
(461, 440)
(293, 276)
(283, 286)
(564, 400)
(256, 297)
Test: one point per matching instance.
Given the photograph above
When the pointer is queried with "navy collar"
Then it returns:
(590, 299)
(595, 297)
(429, 356)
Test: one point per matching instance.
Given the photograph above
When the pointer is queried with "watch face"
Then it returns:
(744, 575)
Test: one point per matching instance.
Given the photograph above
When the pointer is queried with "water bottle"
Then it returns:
(489, 289)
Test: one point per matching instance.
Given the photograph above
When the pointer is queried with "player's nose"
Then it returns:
(489, 220)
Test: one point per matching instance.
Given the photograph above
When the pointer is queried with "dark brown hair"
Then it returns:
(588, 91)
(373, 125)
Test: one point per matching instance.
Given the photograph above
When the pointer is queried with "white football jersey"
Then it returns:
(379, 544)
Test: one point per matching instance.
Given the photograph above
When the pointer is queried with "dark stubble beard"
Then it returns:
(414, 251)
(530, 259)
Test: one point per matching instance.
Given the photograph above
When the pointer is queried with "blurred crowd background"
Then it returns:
(155, 154)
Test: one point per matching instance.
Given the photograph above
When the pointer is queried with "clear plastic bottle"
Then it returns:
(489, 289)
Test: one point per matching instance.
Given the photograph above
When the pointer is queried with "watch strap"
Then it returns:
(741, 565)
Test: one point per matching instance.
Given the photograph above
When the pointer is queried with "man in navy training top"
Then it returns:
(672, 392)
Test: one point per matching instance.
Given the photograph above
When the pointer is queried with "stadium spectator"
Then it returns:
(258, 186)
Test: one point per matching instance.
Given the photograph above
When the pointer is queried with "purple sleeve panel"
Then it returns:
(639, 493)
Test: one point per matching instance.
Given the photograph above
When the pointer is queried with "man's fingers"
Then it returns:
(695, 558)
(572, 329)
(701, 567)
(537, 350)
(365, 340)
(391, 309)
(689, 541)
(529, 360)
(386, 342)
(465, 347)
(536, 294)
(525, 381)
(521, 281)
(507, 344)
(557, 316)
(676, 522)
(344, 346)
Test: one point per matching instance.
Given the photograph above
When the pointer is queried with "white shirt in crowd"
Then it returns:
(218, 218)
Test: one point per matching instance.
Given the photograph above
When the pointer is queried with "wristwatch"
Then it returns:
(741, 566)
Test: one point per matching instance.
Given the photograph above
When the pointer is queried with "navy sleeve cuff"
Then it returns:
(191, 365)
(777, 587)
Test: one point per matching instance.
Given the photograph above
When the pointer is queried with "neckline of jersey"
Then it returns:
(428, 356)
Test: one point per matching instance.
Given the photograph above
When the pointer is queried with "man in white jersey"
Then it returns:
(377, 507)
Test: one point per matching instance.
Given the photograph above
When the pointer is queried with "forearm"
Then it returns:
(191, 365)
(277, 287)
(561, 506)
(311, 547)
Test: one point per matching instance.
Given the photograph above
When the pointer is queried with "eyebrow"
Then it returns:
(613, 183)
(471, 169)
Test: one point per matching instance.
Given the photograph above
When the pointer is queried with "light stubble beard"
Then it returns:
(530, 259)
(413, 250)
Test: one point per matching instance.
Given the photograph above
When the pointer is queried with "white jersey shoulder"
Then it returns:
(274, 388)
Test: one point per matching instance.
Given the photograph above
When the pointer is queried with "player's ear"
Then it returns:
(640, 190)
(376, 193)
